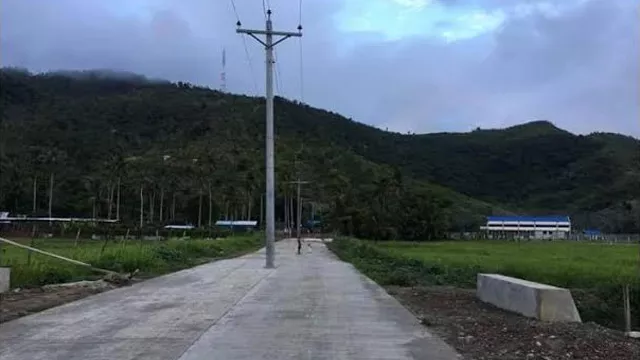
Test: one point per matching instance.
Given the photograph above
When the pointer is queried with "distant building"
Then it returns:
(528, 227)
(6, 219)
(180, 227)
(592, 234)
(312, 224)
(237, 224)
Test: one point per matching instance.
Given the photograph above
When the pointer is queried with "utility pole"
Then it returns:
(269, 44)
(299, 212)
(223, 73)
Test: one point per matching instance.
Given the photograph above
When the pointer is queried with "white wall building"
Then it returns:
(534, 227)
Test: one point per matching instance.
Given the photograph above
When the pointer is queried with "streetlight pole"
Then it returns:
(269, 44)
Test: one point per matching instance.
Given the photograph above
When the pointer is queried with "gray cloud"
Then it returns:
(577, 67)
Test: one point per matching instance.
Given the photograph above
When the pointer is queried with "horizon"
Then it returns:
(410, 66)
(67, 72)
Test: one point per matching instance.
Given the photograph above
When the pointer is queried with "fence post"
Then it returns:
(627, 308)
(32, 243)
(77, 237)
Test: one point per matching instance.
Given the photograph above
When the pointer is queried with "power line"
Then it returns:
(235, 10)
(275, 59)
(253, 76)
(246, 50)
(301, 57)
(301, 74)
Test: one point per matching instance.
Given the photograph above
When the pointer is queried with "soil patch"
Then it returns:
(22, 302)
(482, 332)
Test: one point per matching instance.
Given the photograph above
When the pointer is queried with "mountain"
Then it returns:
(188, 153)
(92, 128)
(533, 168)
(536, 168)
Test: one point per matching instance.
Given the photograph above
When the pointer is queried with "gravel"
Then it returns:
(482, 332)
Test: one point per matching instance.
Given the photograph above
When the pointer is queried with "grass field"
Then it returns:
(594, 272)
(150, 257)
(564, 264)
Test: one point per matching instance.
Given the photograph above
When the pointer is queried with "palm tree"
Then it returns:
(209, 179)
(137, 173)
(53, 159)
(162, 181)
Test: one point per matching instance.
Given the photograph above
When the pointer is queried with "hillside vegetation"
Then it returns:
(534, 168)
(185, 153)
(189, 153)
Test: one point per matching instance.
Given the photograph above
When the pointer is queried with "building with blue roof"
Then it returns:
(592, 234)
(528, 227)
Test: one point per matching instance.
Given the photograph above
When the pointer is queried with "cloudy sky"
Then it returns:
(405, 65)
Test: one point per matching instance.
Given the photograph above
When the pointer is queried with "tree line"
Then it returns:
(71, 142)
(149, 153)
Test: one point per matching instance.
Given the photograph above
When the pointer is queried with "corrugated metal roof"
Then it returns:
(236, 223)
(530, 218)
(185, 227)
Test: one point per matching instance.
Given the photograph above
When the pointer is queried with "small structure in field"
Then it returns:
(528, 227)
(592, 234)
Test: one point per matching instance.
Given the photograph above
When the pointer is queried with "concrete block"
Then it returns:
(5, 279)
(633, 334)
(540, 301)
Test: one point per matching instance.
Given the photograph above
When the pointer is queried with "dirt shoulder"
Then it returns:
(23, 302)
(482, 332)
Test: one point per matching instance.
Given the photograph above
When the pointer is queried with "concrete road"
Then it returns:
(312, 306)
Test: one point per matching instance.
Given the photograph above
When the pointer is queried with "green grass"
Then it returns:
(150, 257)
(594, 272)
(558, 263)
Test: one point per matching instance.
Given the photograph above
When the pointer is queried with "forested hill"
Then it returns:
(93, 129)
(535, 168)
(192, 154)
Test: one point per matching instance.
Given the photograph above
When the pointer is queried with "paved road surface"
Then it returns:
(312, 306)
